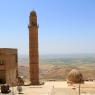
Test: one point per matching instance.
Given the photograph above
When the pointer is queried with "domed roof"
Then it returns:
(75, 76)
(33, 13)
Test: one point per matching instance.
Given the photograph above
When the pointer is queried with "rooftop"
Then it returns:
(57, 88)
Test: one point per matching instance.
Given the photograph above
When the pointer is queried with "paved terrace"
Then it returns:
(56, 88)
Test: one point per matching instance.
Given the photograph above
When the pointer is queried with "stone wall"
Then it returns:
(9, 65)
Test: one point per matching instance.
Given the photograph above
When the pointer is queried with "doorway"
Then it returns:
(2, 77)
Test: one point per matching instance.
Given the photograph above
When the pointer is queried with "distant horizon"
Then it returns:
(62, 59)
(73, 54)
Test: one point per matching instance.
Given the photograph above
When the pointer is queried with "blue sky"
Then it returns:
(65, 26)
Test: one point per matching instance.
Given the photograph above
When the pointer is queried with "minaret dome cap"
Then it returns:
(33, 13)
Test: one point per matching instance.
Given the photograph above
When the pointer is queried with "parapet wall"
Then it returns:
(8, 51)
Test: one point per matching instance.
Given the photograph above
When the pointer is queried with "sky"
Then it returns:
(65, 26)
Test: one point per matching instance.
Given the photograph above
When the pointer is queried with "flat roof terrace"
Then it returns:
(56, 88)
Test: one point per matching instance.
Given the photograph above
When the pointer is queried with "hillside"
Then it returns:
(58, 68)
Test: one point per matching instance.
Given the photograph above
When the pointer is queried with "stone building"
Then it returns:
(8, 66)
(33, 49)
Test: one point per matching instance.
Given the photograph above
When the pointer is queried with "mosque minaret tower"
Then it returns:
(33, 49)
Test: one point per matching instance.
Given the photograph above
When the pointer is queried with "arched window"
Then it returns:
(2, 62)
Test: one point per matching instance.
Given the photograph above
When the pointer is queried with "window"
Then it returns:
(2, 62)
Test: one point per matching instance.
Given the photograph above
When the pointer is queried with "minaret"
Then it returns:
(33, 49)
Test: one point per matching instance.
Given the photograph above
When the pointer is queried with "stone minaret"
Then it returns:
(33, 49)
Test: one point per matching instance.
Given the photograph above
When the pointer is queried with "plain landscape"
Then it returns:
(57, 67)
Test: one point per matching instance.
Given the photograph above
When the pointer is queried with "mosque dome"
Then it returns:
(75, 76)
(33, 13)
